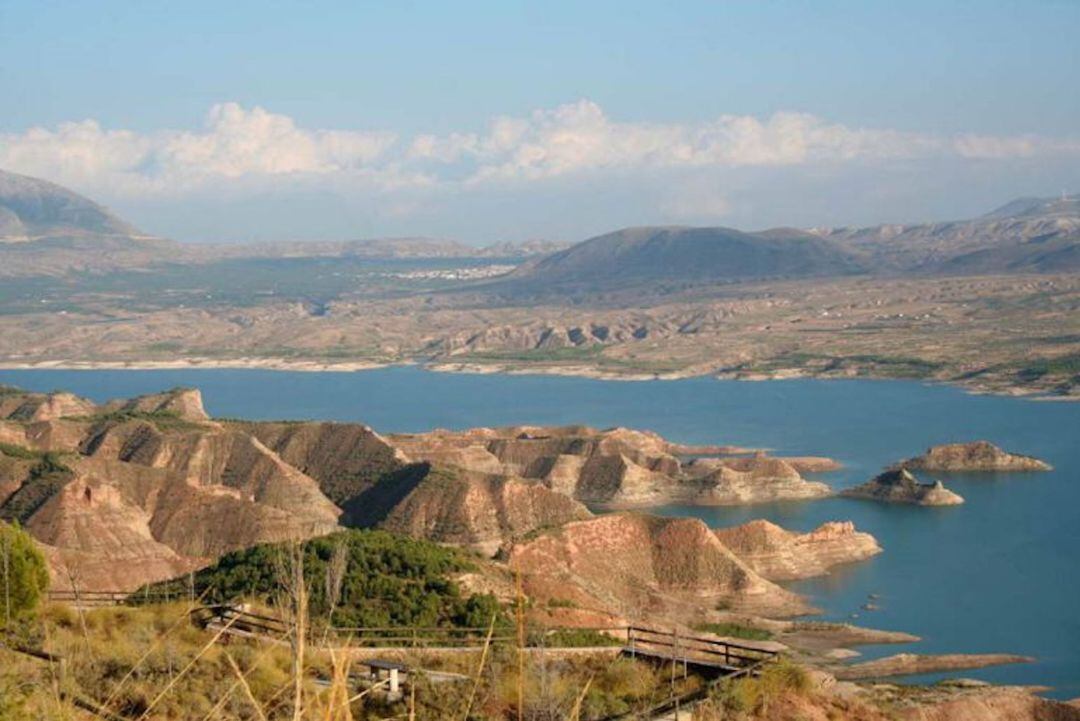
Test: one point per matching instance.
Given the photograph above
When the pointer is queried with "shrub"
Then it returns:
(387, 580)
(735, 630)
(24, 576)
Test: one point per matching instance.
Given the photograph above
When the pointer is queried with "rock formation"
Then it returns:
(470, 508)
(909, 664)
(991, 704)
(141, 490)
(138, 490)
(617, 467)
(897, 485)
(781, 555)
(630, 562)
(183, 403)
(735, 481)
(974, 456)
(346, 459)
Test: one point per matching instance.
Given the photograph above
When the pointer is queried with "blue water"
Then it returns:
(999, 573)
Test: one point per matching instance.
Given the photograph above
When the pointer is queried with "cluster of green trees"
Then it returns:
(366, 578)
(24, 577)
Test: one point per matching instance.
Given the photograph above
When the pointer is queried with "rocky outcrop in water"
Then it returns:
(975, 456)
(897, 485)
(617, 467)
(909, 664)
(781, 555)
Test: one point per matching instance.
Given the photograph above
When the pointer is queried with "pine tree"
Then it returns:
(24, 576)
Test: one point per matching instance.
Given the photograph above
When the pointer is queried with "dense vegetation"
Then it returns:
(24, 577)
(386, 580)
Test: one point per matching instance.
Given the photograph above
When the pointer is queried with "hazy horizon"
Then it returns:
(531, 121)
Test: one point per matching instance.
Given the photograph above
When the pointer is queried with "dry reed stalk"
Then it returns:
(575, 713)
(242, 680)
(480, 668)
(339, 703)
(519, 617)
(153, 647)
(183, 672)
(236, 684)
(290, 572)
(73, 580)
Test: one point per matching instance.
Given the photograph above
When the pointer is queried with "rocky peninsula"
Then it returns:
(782, 555)
(617, 467)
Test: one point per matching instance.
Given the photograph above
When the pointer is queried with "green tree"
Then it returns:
(24, 577)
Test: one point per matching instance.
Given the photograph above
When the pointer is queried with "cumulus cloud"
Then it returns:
(238, 146)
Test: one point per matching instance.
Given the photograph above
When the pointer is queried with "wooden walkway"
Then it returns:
(706, 656)
(709, 657)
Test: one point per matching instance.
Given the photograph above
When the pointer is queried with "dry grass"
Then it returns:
(150, 662)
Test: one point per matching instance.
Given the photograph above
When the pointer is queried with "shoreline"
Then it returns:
(442, 366)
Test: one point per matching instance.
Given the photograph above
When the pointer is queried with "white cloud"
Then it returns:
(240, 147)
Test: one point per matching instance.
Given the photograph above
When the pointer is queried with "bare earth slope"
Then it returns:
(631, 562)
(781, 555)
(145, 489)
(617, 467)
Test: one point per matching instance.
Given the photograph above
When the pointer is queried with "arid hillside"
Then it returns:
(618, 467)
(135, 491)
(989, 303)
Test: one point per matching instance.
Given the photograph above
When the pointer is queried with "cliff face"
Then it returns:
(899, 486)
(974, 456)
(781, 555)
(617, 467)
(42, 406)
(138, 490)
(346, 459)
(476, 509)
(142, 490)
(633, 564)
(729, 482)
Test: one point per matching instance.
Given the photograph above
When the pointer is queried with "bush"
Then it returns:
(754, 695)
(386, 580)
(24, 576)
(735, 630)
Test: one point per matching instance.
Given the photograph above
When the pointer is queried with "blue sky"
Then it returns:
(868, 111)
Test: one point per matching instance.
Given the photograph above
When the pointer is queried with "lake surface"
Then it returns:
(997, 574)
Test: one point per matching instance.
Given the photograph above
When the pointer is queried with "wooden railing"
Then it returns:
(695, 650)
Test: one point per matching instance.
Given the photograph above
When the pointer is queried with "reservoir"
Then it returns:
(1000, 573)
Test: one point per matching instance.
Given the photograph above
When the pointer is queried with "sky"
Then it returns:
(509, 120)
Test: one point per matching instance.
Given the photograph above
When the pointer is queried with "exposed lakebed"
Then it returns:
(998, 573)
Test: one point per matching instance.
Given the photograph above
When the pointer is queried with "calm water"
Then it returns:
(999, 573)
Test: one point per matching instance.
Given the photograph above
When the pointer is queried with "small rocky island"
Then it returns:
(980, 456)
(898, 485)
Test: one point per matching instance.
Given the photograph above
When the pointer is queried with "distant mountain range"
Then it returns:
(45, 228)
(34, 210)
(691, 254)
(1024, 236)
